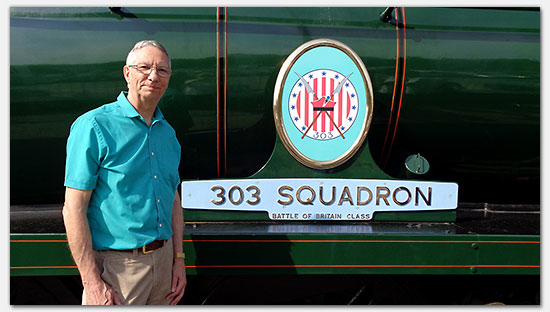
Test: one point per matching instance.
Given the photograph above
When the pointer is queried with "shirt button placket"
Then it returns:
(155, 176)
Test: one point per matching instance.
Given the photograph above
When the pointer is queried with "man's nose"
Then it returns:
(153, 75)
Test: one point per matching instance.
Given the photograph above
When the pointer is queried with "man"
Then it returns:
(122, 211)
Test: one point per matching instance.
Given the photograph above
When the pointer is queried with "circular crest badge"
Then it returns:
(323, 103)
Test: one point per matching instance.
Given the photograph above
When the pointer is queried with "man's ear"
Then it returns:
(126, 73)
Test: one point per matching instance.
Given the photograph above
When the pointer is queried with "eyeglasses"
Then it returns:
(145, 69)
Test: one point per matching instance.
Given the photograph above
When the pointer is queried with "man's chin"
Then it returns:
(152, 95)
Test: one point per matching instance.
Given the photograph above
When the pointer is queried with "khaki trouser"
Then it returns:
(136, 277)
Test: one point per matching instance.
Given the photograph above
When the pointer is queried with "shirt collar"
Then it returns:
(130, 111)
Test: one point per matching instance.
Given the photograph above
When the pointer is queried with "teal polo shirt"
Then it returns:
(132, 169)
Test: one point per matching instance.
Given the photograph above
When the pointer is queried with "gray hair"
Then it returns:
(145, 43)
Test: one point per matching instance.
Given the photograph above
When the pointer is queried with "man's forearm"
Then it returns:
(177, 224)
(179, 279)
(78, 234)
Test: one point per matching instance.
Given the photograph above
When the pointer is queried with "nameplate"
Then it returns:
(319, 199)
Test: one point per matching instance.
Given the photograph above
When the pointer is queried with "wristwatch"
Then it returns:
(180, 255)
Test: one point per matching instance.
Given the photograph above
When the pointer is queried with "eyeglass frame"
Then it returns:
(136, 66)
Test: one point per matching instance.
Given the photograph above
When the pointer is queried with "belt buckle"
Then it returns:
(145, 251)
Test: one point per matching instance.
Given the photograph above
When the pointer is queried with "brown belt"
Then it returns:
(149, 247)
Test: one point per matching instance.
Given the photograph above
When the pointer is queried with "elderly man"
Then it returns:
(122, 212)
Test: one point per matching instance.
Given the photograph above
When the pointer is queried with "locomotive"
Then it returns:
(437, 112)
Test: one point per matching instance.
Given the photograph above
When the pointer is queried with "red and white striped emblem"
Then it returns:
(340, 110)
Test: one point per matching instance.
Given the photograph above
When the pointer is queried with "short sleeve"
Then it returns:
(84, 154)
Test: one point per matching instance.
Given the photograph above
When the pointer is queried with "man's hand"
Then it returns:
(99, 293)
(179, 281)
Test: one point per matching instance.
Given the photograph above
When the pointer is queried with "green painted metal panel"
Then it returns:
(472, 84)
(473, 75)
(40, 254)
(65, 61)
(48, 254)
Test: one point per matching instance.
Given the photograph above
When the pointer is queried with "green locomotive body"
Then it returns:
(457, 89)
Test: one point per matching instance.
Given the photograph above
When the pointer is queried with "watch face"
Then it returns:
(323, 103)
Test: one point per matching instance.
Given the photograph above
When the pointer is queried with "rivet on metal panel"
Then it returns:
(475, 246)
(473, 269)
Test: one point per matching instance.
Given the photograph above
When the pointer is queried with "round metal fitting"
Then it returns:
(417, 164)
